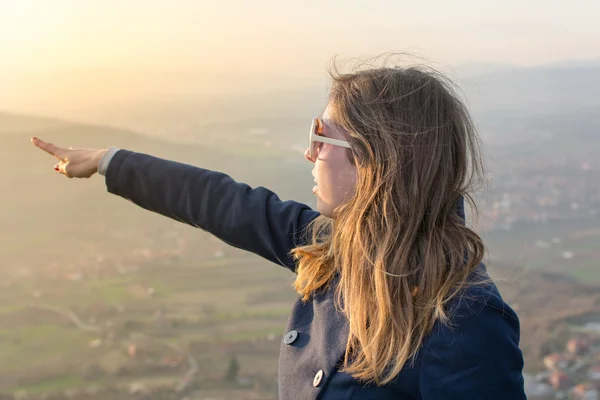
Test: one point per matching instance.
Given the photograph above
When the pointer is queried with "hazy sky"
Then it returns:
(298, 35)
(272, 38)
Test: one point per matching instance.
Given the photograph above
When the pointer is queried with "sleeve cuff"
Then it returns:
(105, 160)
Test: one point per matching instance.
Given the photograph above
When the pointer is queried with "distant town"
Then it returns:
(534, 191)
(572, 374)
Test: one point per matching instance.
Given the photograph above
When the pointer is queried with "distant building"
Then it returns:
(535, 387)
(560, 381)
(579, 345)
(132, 350)
(75, 276)
(594, 373)
(219, 253)
(555, 361)
(585, 391)
(542, 376)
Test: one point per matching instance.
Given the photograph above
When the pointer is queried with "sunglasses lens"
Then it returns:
(312, 144)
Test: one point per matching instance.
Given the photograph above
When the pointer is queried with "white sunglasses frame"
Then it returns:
(313, 137)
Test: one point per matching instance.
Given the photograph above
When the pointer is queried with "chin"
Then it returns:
(324, 209)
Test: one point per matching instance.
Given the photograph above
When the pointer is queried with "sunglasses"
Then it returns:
(316, 139)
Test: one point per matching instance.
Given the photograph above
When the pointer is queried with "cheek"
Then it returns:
(347, 182)
(335, 174)
(346, 172)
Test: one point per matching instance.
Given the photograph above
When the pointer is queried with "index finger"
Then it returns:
(47, 147)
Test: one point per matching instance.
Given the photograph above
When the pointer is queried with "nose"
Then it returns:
(308, 157)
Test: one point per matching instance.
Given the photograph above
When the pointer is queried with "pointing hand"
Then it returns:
(72, 162)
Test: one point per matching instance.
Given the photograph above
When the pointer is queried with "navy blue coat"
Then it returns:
(479, 358)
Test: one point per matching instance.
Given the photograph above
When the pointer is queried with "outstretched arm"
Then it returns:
(253, 219)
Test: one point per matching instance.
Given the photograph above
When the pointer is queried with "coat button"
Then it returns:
(290, 337)
(318, 377)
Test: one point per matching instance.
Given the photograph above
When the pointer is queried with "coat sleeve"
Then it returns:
(253, 219)
(477, 357)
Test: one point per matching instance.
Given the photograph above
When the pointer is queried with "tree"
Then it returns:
(233, 369)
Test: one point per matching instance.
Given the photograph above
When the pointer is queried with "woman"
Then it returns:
(395, 302)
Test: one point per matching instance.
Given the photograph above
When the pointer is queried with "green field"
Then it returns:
(209, 305)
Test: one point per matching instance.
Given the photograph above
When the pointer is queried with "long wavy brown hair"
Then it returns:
(398, 246)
